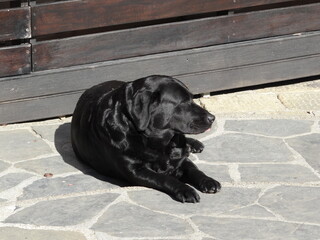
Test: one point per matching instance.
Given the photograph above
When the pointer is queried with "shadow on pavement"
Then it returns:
(62, 141)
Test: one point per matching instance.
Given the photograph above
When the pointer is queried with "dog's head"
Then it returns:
(159, 103)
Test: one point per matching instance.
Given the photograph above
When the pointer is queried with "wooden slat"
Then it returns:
(174, 63)
(174, 36)
(15, 60)
(38, 108)
(15, 24)
(62, 17)
(253, 74)
(64, 104)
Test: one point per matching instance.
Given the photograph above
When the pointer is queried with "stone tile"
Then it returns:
(220, 173)
(254, 229)
(244, 102)
(12, 179)
(48, 187)
(251, 211)
(276, 173)
(245, 148)
(301, 100)
(54, 165)
(48, 131)
(127, 220)
(309, 147)
(14, 233)
(4, 166)
(294, 203)
(21, 145)
(224, 201)
(270, 127)
(63, 212)
(59, 134)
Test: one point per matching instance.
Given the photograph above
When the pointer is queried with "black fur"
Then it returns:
(135, 131)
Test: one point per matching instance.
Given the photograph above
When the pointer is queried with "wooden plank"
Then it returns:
(62, 17)
(174, 63)
(15, 23)
(38, 108)
(253, 74)
(174, 36)
(63, 104)
(15, 60)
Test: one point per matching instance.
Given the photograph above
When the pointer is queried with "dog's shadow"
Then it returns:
(62, 141)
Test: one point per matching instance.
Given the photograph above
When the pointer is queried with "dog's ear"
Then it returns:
(140, 109)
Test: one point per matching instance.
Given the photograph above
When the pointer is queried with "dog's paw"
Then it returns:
(195, 145)
(187, 194)
(209, 185)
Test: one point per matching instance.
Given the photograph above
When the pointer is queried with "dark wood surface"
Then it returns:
(207, 53)
(223, 58)
(79, 15)
(15, 60)
(15, 23)
(38, 108)
(174, 36)
(64, 104)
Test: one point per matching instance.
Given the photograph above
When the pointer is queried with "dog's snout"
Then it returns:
(211, 118)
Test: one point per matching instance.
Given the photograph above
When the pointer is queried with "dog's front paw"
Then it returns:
(195, 145)
(187, 194)
(209, 185)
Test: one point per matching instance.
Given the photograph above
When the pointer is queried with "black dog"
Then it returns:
(135, 131)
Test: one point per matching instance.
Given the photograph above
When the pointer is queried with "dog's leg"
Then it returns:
(172, 186)
(196, 178)
(195, 145)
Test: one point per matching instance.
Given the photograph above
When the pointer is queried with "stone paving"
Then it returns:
(269, 170)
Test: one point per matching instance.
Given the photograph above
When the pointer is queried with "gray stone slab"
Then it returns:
(127, 220)
(270, 127)
(21, 145)
(59, 134)
(4, 166)
(309, 147)
(63, 212)
(14, 233)
(251, 211)
(48, 187)
(229, 198)
(294, 203)
(301, 100)
(12, 179)
(54, 165)
(245, 148)
(48, 131)
(220, 173)
(276, 173)
(254, 229)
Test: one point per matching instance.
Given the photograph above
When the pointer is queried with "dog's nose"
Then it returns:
(211, 118)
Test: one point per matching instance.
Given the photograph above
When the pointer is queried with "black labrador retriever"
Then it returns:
(135, 131)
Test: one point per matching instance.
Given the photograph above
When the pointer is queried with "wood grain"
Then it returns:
(64, 104)
(15, 24)
(15, 60)
(62, 17)
(174, 36)
(208, 59)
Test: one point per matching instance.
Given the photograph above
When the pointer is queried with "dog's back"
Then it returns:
(81, 127)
